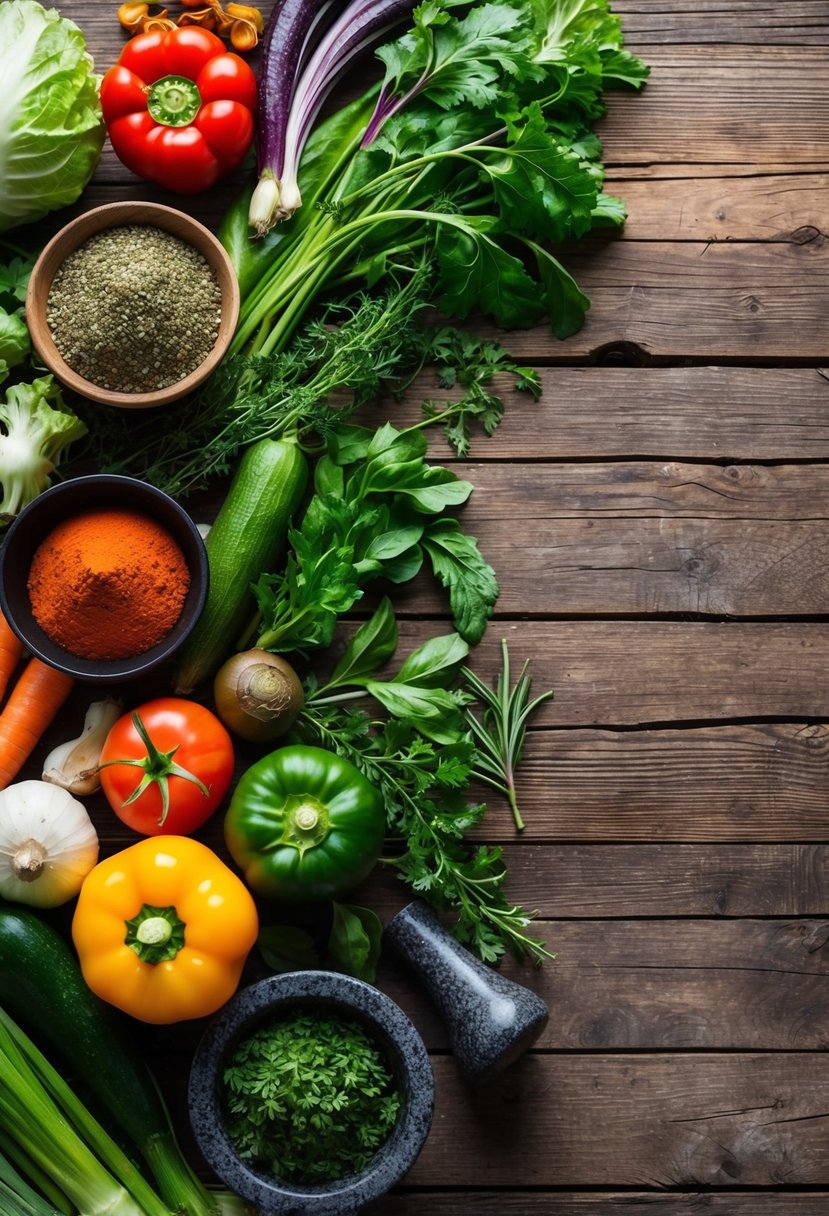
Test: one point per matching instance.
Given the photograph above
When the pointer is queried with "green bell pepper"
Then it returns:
(303, 824)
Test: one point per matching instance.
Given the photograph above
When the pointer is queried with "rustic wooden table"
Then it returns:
(658, 523)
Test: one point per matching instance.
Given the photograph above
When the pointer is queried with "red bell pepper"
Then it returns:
(179, 108)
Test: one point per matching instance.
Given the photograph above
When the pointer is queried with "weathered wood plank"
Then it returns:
(706, 302)
(746, 22)
(759, 104)
(401, 1202)
(591, 413)
(607, 566)
(629, 673)
(709, 1120)
(644, 880)
(771, 207)
(663, 491)
(667, 986)
(727, 783)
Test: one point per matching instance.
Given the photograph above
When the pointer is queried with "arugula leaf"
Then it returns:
(459, 565)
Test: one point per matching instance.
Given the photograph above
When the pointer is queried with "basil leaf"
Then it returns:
(434, 663)
(354, 941)
(285, 948)
(373, 644)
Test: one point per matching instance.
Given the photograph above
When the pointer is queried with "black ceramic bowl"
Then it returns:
(328, 992)
(60, 502)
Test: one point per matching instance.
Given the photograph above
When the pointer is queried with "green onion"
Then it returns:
(19, 1160)
(16, 1196)
(40, 1111)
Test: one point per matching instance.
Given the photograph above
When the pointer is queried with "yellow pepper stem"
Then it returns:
(155, 934)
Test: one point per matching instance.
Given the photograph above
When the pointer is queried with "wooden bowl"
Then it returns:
(114, 215)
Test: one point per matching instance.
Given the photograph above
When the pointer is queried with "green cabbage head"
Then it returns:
(51, 130)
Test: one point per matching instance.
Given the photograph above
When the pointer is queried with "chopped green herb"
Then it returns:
(309, 1098)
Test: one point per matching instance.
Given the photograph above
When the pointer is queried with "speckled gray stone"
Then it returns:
(329, 992)
(491, 1019)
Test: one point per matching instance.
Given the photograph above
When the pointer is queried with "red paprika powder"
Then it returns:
(108, 584)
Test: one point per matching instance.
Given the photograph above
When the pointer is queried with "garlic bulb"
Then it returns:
(48, 844)
(76, 765)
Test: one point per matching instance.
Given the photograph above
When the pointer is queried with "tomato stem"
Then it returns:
(158, 767)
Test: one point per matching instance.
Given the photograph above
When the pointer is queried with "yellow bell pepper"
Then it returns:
(163, 928)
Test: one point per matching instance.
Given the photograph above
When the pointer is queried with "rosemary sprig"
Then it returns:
(500, 732)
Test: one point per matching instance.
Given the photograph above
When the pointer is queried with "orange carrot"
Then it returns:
(11, 651)
(35, 700)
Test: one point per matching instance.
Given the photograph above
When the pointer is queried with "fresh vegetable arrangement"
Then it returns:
(285, 728)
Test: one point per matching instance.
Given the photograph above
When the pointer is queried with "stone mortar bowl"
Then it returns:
(329, 993)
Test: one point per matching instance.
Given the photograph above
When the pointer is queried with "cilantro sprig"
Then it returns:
(421, 754)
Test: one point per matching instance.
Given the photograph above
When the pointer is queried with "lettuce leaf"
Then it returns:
(51, 130)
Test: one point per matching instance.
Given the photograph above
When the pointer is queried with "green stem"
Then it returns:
(64, 1139)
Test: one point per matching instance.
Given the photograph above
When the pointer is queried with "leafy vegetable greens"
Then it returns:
(51, 130)
(422, 755)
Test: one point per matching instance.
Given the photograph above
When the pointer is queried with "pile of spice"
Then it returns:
(134, 309)
(108, 584)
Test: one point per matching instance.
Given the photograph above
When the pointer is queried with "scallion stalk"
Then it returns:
(23, 1165)
(17, 1198)
(40, 1111)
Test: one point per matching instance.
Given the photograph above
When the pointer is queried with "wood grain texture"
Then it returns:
(743, 22)
(715, 985)
(605, 881)
(689, 1120)
(635, 673)
(721, 414)
(597, 1203)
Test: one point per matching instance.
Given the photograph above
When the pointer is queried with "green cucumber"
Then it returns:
(243, 544)
(41, 986)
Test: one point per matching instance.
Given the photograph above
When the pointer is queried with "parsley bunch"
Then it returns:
(421, 754)
(309, 1098)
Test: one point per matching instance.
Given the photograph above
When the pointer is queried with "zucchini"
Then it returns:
(41, 986)
(243, 544)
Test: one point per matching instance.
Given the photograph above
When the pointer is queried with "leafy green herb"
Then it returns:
(358, 350)
(309, 1098)
(478, 151)
(370, 519)
(421, 755)
(353, 944)
(500, 732)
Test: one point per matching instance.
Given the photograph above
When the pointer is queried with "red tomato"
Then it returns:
(180, 737)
